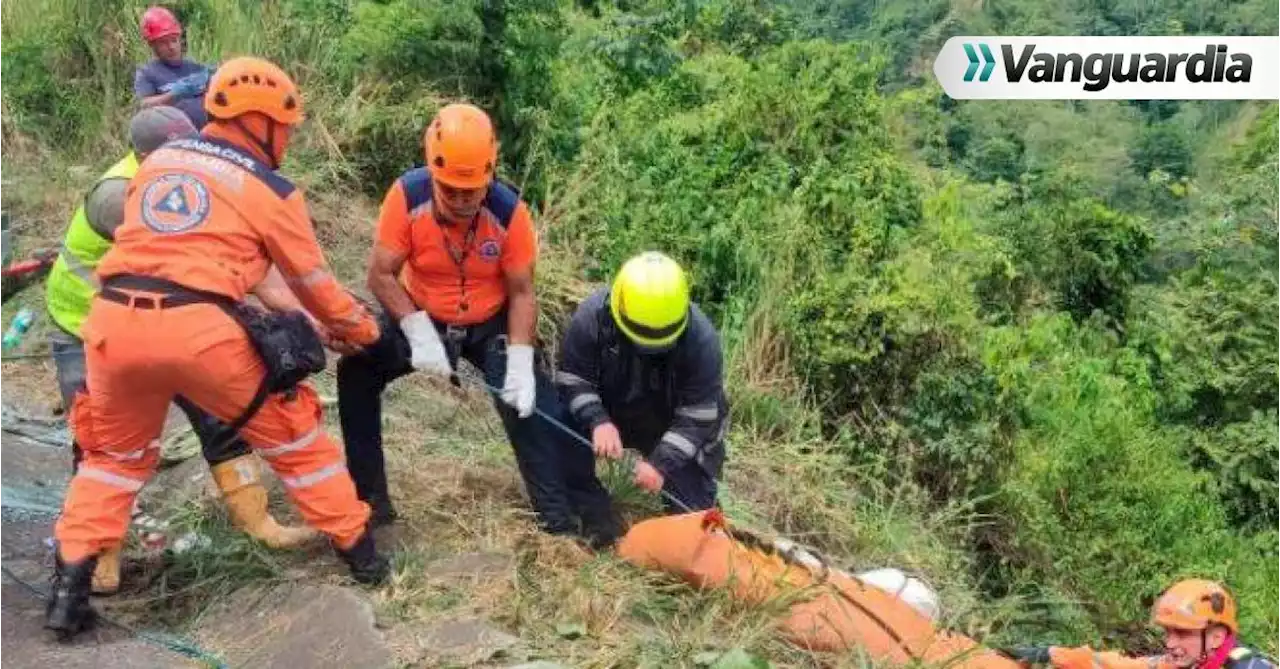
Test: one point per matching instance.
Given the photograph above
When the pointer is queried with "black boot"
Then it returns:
(367, 565)
(601, 528)
(68, 612)
(383, 513)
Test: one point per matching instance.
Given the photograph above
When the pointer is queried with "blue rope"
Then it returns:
(555, 422)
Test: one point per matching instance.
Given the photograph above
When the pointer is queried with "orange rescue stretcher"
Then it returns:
(829, 610)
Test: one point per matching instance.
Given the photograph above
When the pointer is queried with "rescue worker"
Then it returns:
(69, 289)
(204, 221)
(453, 265)
(1198, 618)
(170, 79)
(641, 367)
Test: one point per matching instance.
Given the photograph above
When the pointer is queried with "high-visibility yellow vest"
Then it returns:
(72, 284)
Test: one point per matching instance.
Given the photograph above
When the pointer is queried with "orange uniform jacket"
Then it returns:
(503, 241)
(205, 214)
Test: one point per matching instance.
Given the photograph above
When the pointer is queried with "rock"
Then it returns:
(35, 474)
(34, 471)
(296, 626)
(471, 567)
(34, 572)
(34, 478)
(27, 644)
(466, 641)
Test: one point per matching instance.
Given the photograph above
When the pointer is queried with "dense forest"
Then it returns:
(1057, 321)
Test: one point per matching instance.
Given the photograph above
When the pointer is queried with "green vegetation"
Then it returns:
(1029, 349)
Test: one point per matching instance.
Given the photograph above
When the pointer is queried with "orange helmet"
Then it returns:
(462, 149)
(243, 85)
(1195, 604)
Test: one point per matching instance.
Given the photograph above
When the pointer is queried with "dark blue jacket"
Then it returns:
(671, 407)
(1243, 657)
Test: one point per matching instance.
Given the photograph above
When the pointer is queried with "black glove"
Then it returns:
(1029, 654)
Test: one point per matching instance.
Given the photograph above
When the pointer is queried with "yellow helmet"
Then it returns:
(650, 301)
(1195, 604)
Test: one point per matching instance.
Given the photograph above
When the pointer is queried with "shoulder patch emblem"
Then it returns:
(174, 203)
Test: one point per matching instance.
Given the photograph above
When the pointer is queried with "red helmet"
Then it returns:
(158, 22)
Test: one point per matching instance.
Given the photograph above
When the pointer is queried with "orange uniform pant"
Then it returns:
(138, 360)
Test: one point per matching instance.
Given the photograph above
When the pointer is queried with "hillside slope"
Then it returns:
(1028, 350)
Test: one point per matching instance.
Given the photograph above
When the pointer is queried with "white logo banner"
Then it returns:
(1110, 68)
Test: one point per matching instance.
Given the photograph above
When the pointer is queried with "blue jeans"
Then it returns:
(558, 472)
(68, 359)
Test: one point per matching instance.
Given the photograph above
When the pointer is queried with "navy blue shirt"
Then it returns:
(158, 77)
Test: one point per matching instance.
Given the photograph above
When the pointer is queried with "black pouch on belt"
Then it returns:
(290, 351)
(287, 343)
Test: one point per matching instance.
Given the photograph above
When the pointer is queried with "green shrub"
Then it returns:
(1165, 147)
(37, 101)
(415, 42)
(1243, 458)
(1086, 254)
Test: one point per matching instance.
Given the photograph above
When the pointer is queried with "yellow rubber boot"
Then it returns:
(106, 576)
(241, 484)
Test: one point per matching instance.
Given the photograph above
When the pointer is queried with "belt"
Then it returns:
(173, 294)
(148, 302)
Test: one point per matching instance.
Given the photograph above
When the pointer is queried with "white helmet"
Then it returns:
(909, 589)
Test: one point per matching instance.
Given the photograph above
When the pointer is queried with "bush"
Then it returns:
(1086, 254)
(37, 102)
(415, 42)
(700, 163)
(1243, 458)
(1098, 499)
(1165, 147)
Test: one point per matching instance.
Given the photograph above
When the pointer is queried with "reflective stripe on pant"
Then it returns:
(558, 474)
(138, 360)
(68, 360)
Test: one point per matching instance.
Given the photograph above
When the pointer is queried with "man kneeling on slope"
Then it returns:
(204, 221)
(641, 366)
(1198, 618)
(69, 291)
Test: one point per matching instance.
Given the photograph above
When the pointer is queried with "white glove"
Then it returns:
(519, 389)
(428, 353)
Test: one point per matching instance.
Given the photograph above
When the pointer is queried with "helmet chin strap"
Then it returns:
(267, 148)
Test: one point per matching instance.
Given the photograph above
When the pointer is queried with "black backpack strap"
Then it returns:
(231, 431)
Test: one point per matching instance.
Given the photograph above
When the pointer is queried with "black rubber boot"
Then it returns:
(383, 513)
(366, 564)
(68, 612)
(601, 528)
